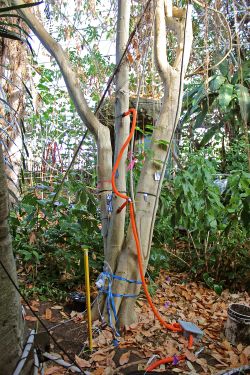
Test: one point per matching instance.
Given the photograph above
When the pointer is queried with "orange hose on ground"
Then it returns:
(173, 327)
(190, 341)
(163, 361)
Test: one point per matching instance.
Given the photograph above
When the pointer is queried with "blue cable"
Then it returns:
(110, 296)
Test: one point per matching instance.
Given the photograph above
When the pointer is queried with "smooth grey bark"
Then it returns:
(11, 321)
(122, 129)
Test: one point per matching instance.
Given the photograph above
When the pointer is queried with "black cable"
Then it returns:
(38, 318)
(174, 128)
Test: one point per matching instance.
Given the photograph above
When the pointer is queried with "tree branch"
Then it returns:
(70, 78)
(162, 63)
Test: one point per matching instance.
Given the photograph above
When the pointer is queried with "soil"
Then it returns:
(176, 298)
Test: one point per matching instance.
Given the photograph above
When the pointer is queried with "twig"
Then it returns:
(198, 71)
(189, 234)
(176, 256)
(205, 250)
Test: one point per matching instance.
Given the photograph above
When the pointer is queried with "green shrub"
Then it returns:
(48, 238)
(214, 225)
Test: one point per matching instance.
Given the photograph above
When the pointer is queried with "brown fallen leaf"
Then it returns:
(57, 307)
(243, 359)
(54, 370)
(48, 314)
(101, 340)
(108, 371)
(226, 345)
(124, 358)
(30, 318)
(35, 305)
(107, 334)
(98, 357)
(82, 362)
(219, 358)
(191, 367)
(246, 351)
(203, 363)
(239, 348)
(147, 333)
(99, 371)
(190, 356)
(64, 315)
(233, 358)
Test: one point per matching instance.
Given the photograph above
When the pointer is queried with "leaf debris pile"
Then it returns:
(175, 298)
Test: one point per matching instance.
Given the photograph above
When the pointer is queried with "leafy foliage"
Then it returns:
(212, 223)
(218, 108)
(48, 238)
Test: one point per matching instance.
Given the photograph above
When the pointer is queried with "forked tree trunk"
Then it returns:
(11, 321)
(119, 251)
(172, 77)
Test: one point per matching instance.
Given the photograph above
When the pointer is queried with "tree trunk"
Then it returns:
(11, 321)
(117, 222)
(13, 72)
(173, 77)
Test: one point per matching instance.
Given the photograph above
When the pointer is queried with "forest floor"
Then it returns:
(176, 298)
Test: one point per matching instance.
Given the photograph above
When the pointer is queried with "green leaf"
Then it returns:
(200, 118)
(162, 142)
(244, 101)
(149, 127)
(139, 130)
(225, 95)
(218, 289)
(246, 69)
(201, 93)
(216, 83)
(224, 68)
(209, 134)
